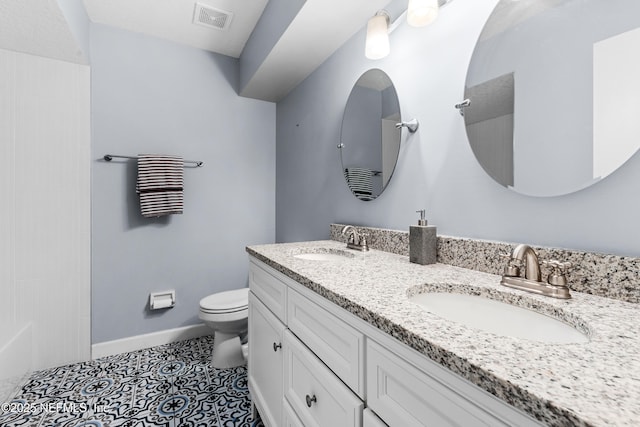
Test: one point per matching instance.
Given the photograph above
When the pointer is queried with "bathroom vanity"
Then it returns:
(335, 339)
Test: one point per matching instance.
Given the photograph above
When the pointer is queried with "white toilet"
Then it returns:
(227, 313)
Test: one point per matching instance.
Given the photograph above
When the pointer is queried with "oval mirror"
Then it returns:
(369, 140)
(554, 89)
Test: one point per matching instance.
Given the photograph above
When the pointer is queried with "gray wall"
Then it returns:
(149, 95)
(436, 168)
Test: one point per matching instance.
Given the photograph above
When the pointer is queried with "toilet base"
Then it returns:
(227, 351)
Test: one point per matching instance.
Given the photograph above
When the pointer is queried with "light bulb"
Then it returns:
(422, 12)
(377, 43)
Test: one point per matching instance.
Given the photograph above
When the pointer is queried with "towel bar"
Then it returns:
(109, 157)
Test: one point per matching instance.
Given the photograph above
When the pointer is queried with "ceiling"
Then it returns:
(174, 20)
(303, 40)
(313, 34)
(37, 27)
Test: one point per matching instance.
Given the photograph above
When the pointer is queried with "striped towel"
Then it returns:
(360, 182)
(160, 184)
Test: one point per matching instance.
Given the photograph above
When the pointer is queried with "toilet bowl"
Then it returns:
(227, 313)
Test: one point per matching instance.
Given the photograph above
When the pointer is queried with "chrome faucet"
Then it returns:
(556, 285)
(355, 241)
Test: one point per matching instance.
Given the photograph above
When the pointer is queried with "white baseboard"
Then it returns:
(138, 342)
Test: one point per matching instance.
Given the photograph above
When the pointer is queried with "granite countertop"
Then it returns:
(592, 384)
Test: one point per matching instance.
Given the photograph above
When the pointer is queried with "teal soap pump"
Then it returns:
(422, 242)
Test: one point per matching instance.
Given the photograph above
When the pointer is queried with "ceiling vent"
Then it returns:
(211, 17)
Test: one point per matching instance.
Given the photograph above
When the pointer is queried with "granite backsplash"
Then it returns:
(609, 276)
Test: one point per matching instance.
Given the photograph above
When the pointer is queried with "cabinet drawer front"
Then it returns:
(271, 291)
(266, 361)
(316, 395)
(403, 395)
(337, 344)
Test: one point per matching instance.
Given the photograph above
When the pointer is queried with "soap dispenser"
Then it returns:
(422, 241)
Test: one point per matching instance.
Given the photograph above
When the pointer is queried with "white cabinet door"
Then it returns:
(316, 395)
(338, 345)
(289, 417)
(265, 362)
(369, 419)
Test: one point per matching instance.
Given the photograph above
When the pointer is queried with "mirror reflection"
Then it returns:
(370, 141)
(553, 87)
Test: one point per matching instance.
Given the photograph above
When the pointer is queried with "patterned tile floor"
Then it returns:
(170, 385)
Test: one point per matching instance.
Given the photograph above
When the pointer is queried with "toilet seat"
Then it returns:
(228, 304)
(224, 311)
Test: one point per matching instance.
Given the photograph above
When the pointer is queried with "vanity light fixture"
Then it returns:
(422, 12)
(377, 43)
(419, 14)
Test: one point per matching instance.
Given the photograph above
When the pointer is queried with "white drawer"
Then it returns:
(403, 395)
(337, 344)
(316, 395)
(269, 289)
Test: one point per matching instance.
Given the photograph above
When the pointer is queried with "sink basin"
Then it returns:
(324, 256)
(498, 317)
(321, 257)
